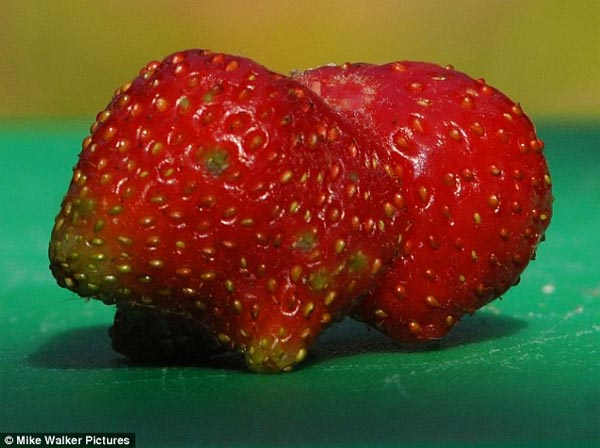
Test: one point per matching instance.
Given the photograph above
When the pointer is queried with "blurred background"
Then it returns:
(64, 58)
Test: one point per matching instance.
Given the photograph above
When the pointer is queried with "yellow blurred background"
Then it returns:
(66, 57)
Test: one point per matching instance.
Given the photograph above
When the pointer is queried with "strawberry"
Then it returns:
(150, 335)
(476, 187)
(214, 189)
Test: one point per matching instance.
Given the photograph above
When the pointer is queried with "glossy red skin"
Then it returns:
(476, 186)
(156, 216)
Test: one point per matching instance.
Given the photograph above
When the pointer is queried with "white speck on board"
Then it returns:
(548, 289)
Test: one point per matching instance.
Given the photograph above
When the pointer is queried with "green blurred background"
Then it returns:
(65, 58)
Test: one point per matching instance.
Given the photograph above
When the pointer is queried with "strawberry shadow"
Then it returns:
(351, 338)
(77, 348)
(89, 347)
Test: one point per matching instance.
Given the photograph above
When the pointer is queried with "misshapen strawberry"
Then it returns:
(476, 187)
(214, 189)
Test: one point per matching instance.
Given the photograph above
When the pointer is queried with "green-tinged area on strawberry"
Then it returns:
(214, 189)
(476, 187)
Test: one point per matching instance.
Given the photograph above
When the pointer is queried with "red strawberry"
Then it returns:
(214, 189)
(476, 187)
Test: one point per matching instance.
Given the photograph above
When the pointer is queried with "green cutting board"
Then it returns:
(525, 371)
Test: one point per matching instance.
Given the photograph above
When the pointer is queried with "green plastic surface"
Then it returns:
(525, 371)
